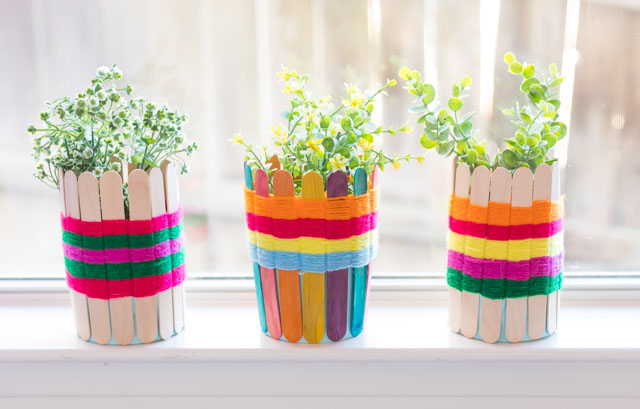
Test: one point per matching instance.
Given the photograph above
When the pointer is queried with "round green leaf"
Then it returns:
(515, 67)
(465, 81)
(455, 90)
(427, 143)
(509, 58)
(454, 104)
(510, 158)
(429, 93)
(553, 69)
(472, 156)
(529, 71)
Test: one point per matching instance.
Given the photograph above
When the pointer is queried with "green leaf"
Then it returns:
(427, 143)
(429, 93)
(556, 82)
(555, 103)
(285, 114)
(328, 144)
(529, 71)
(443, 115)
(445, 148)
(510, 158)
(509, 112)
(465, 81)
(509, 58)
(325, 122)
(345, 123)
(455, 90)
(418, 109)
(465, 127)
(367, 137)
(536, 90)
(455, 104)
(472, 156)
(553, 69)
(526, 84)
(515, 67)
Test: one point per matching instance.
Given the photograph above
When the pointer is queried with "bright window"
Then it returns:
(216, 60)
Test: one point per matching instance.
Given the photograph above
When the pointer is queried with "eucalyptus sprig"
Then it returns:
(320, 136)
(538, 127)
(98, 128)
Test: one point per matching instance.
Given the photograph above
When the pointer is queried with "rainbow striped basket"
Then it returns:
(311, 253)
(125, 274)
(505, 253)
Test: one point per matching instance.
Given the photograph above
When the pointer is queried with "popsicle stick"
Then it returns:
(470, 302)
(359, 273)
(373, 182)
(313, 284)
(78, 300)
(248, 181)
(268, 275)
(516, 310)
(274, 163)
(90, 212)
(537, 304)
(288, 280)
(460, 189)
(337, 280)
(491, 315)
(553, 300)
(172, 196)
(121, 308)
(165, 298)
(140, 209)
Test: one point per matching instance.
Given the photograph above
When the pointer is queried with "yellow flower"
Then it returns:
(356, 101)
(351, 88)
(237, 138)
(420, 159)
(366, 145)
(336, 162)
(279, 132)
(310, 115)
(315, 145)
(333, 130)
(396, 164)
(288, 89)
(286, 74)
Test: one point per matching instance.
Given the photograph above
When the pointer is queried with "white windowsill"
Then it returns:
(406, 342)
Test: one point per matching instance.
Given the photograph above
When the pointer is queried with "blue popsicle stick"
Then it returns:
(359, 273)
(248, 180)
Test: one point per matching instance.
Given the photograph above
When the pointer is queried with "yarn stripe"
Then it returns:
(318, 228)
(540, 266)
(122, 255)
(502, 233)
(504, 288)
(312, 245)
(518, 250)
(121, 227)
(133, 287)
(314, 263)
(121, 241)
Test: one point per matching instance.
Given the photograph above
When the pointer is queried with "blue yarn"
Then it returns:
(314, 263)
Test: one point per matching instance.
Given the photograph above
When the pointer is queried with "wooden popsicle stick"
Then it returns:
(121, 308)
(460, 189)
(90, 212)
(516, 310)
(537, 304)
(553, 299)
(288, 280)
(268, 275)
(359, 273)
(172, 196)
(313, 284)
(248, 181)
(78, 300)
(470, 302)
(337, 280)
(146, 308)
(165, 298)
(274, 163)
(491, 315)
(373, 182)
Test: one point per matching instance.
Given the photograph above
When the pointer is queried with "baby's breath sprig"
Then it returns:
(96, 129)
(320, 136)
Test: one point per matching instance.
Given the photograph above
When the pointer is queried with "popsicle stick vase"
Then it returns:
(311, 252)
(125, 273)
(505, 253)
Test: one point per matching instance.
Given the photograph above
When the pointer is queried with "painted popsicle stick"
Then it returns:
(554, 298)
(172, 196)
(373, 179)
(470, 302)
(90, 212)
(146, 309)
(121, 308)
(248, 181)
(165, 298)
(268, 275)
(537, 304)
(313, 284)
(359, 273)
(288, 280)
(491, 315)
(78, 300)
(460, 189)
(516, 310)
(337, 280)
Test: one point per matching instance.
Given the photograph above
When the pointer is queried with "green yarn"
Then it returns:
(503, 288)
(119, 241)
